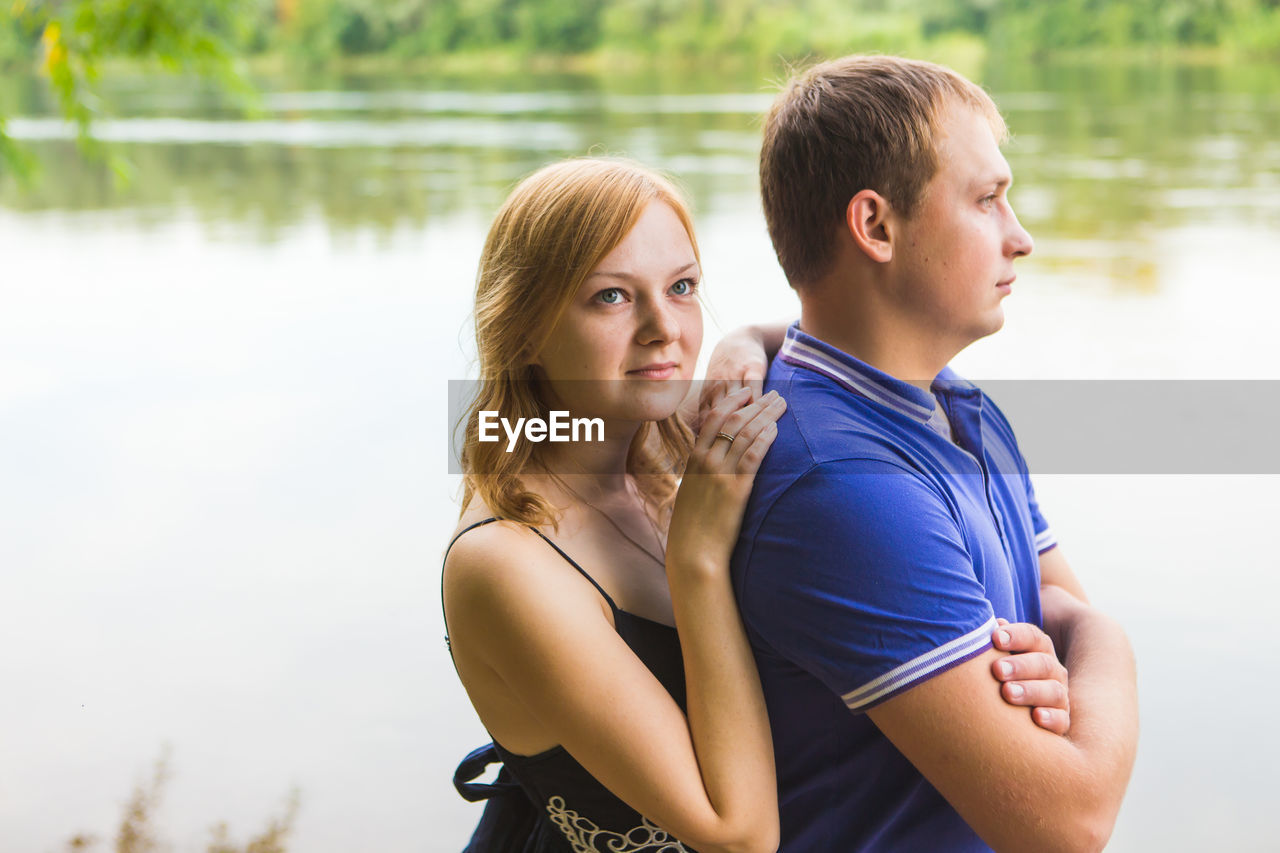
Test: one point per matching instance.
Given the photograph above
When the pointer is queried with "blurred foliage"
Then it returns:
(764, 29)
(136, 833)
(202, 34)
(1103, 152)
(69, 40)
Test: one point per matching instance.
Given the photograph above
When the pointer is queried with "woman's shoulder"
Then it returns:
(498, 562)
(482, 540)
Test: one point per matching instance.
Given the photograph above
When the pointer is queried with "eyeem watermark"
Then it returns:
(559, 427)
(1064, 426)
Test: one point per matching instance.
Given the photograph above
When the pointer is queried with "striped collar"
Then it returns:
(861, 378)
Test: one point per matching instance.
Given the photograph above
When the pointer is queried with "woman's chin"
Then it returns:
(658, 401)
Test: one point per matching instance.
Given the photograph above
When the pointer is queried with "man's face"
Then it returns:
(956, 253)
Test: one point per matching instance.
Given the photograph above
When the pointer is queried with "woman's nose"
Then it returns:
(659, 324)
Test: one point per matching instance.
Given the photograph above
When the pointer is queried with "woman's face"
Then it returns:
(627, 346)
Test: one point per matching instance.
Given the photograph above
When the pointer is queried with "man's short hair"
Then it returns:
(855, 123)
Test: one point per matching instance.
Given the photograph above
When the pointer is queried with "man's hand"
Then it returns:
(1032, 675)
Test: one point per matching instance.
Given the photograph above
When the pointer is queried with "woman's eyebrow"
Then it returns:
(626, 276)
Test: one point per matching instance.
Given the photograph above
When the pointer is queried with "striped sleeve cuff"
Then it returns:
(921, 668)
(1045, 540)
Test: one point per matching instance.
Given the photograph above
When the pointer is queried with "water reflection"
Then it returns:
(1101, 155)
(220, 403)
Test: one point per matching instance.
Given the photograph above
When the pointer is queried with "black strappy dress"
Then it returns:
(547, 803)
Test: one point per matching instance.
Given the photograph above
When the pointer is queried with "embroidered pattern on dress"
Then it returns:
(585, 837)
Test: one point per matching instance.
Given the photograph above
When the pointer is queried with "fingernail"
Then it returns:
(1006, 668)
(1004, 637)
(1016, 691)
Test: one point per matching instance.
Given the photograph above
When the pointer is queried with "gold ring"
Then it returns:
(726, 435)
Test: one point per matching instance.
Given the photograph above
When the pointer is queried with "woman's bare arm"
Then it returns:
(534, 640)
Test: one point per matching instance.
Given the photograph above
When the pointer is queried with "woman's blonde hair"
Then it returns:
(552, 231)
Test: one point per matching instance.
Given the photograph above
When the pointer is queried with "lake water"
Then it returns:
(224, 491)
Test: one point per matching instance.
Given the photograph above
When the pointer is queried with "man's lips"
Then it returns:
(1007, 284)
(663, 370)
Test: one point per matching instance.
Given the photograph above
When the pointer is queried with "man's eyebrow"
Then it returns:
(626, 276)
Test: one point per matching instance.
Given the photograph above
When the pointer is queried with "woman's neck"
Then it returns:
(591, 469)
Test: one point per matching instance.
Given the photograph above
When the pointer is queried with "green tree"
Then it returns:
(70, 39)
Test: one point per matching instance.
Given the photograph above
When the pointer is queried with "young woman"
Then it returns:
(575, 565)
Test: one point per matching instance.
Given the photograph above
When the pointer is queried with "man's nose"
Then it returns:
(1019, 241)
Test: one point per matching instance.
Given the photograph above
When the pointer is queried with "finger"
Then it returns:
(771, 406)
(753, 378)
(1036, 694)
(1052, 719)
(1000, 620)
(1029, 666)
(715, 422)
(749, 464)
(713, 391)
(720, 388)
(1021, 637)
(737, 414)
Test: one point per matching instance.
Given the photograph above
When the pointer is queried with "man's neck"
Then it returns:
(866, 334)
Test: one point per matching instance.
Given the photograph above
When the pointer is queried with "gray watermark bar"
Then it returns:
(1088, 426)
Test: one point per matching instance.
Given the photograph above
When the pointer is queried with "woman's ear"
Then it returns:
(865, 219)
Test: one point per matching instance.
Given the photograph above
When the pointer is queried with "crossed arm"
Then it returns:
(1031, 676)
(1019, 786)
(1013, 776)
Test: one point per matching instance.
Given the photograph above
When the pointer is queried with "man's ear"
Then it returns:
(865, 221)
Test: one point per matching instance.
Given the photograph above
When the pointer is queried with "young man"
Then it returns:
(894, 522)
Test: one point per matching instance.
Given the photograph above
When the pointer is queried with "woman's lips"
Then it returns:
(655, 371)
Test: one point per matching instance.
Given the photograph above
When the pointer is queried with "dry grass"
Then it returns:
(136, 833)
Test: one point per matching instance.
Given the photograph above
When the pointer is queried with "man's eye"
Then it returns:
(684, 287)
(612, 296)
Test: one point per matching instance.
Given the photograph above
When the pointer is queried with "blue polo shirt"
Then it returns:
(880, 543)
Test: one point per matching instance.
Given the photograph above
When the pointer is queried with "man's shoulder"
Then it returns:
(825, 423)
(825, 503)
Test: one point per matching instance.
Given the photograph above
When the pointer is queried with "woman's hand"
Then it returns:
(718, 478)
(1032, 675)
(740, 359)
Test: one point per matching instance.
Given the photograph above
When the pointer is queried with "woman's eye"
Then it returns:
(684, 287)
(612, 296)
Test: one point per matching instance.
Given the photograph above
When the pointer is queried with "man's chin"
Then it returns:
(984, 330)
(994, 323)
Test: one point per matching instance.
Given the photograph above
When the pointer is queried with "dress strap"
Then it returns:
(608, 598)
(481, 523)
(448, 644)
(581, 570)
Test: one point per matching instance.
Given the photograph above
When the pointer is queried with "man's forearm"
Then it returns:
(1104, 701)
